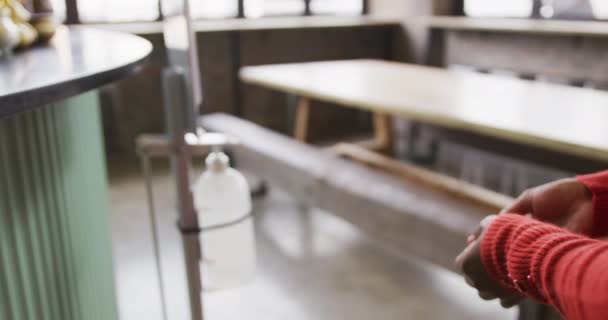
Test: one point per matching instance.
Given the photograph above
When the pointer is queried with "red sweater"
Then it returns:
(552, 265)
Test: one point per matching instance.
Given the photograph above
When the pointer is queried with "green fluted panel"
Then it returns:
(55, 249)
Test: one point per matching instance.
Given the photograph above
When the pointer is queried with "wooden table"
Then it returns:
(555, 117)
(560, 118)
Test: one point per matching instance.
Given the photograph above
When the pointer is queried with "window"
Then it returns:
(260, 8)
(59, 9)
(214, 9)
(499, 8)
(328, 7)
(118, 10)
(600, 9)
(99, 11)
(546, 9)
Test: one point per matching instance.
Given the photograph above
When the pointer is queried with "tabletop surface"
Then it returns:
(529, 26)
(557, 117)
(76, 60)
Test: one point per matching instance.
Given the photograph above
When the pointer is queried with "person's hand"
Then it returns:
(470, 264)
(566, 203)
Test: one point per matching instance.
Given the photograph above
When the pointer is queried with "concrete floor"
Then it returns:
(311, 266)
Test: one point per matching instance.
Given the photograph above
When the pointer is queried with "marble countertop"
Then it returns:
(76, 60)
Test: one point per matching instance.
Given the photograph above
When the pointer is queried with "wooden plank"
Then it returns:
(415, 216)
(494, 106)
(489, 200)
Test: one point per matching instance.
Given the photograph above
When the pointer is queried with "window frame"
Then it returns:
(73, 16)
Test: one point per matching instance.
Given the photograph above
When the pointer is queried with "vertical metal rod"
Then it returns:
(179, 118)
(189, 226)
(147, 171)
(236, 82)
(458, 8)
(536, 5)
(241, 9)
(160, 10)
(71, 10)
(365, 7)
(307, 10)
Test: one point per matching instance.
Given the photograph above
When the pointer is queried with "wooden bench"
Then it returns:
(419, 215)
(409, 210)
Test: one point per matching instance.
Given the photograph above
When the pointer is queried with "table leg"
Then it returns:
(383, 133)
(302, 119)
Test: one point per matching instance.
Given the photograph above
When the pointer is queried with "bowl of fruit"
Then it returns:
(25, 23)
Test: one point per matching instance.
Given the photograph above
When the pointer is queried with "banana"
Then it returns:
(19, 13)
(9, 31)
(46, 28)
(27, 34)
(20, 16)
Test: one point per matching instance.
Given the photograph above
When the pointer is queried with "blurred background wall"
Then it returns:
(390, 31)
(135, 105)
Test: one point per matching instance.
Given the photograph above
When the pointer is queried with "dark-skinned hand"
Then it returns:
(566, 203)
(470, 264)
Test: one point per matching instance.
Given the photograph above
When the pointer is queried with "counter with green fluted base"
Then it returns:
(55, 246)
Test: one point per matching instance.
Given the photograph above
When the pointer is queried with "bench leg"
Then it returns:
(302, 120)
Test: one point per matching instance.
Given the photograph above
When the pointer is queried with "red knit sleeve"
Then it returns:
(597, 183)
(549, 264)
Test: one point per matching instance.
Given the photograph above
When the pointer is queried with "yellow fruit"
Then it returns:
(46, 28)
(19, 13)
(9, 32)
(28, 35)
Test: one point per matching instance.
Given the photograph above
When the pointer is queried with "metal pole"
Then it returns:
(145, 164)
(72, 14)
(365, 7)
(179, 118)
(189, 227)
(307, 9)
(241, 9)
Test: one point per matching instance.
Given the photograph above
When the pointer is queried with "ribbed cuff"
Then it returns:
(495, 246)
(597, 183)
(525, 257)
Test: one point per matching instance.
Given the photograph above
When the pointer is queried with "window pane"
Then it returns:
(117, 10)
(347, 7)
(498, 8)
(214, 8)
(600, 9)
(259, 8)
(566, 9)
(59, 9)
